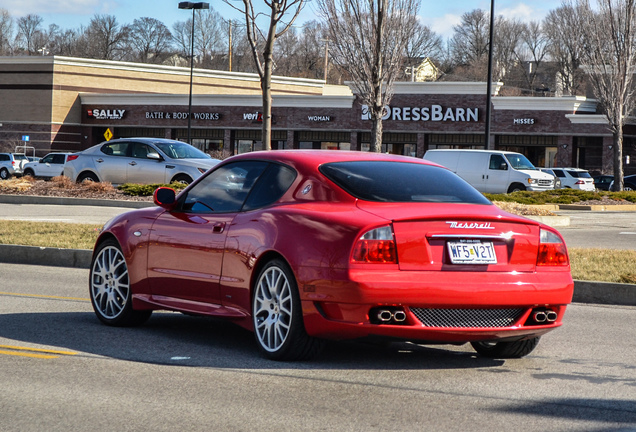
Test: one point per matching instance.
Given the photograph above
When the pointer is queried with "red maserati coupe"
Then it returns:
(302, 246)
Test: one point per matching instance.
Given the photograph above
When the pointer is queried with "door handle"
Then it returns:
(133, 163)
(100, 160)
(218, 227)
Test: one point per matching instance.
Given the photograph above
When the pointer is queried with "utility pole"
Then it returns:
(230, 47)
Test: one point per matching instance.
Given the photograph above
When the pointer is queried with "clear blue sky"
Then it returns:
(439, 15)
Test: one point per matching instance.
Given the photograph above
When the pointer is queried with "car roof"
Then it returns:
(148, 140)
(474, 150)
(319, 157)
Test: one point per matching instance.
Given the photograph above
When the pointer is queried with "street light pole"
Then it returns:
(489, 83)
(193, 6)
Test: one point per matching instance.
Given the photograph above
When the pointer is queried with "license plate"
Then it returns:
(472, 252)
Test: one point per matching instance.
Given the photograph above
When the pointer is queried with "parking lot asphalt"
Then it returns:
(575, 225)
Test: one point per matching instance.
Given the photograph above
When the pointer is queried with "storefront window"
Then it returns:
(456, 141)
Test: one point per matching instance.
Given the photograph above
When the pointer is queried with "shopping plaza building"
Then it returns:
(69, 104)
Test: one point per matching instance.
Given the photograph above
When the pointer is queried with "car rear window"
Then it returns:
(579, 174)
(388, 181)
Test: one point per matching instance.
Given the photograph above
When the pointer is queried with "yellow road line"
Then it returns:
(24, 354)
(43, 296)
(20, 348)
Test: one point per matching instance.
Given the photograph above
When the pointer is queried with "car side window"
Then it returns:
(559, 173)
(225, 189)
(141, 151)
(4, 157)
(58, 159)
(497, 162)
(271, 185)
(48, 159)
(115, 149)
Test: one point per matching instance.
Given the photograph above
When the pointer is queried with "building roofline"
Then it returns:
(573, 104)
(152, 68)
(294, 101)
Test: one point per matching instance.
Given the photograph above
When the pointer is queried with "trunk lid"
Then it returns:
(460, 237)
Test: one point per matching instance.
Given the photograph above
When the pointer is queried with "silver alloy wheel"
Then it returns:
(110, 286)
(272, 309)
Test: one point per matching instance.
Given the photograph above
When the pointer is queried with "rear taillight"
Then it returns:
(579, 182)
(71, 157)
(552, 250)
(376, 246)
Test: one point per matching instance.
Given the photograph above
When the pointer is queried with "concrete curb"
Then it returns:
(584, 291)
(618, 208)
(56, 257)
(553, 221)
(37, 199)
(604, 293)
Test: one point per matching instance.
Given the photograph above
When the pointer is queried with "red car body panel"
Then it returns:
(206, 264)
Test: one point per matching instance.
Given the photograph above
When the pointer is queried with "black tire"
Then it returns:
(515, 349)
(5, 174)
(29, 172)
(87, 176)
(516, 187)
(109, 287)
(277, 315)
(181, 178)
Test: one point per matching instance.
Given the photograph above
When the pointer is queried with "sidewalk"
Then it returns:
(584, 291)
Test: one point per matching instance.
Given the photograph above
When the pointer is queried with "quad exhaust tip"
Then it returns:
(542, 316)
(389, 316)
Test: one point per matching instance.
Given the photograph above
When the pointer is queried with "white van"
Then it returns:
(493, 171)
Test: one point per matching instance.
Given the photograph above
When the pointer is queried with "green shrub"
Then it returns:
(147, 189)
(561, 196)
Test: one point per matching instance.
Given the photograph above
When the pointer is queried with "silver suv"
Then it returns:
(12, 164)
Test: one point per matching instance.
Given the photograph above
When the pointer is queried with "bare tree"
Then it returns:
(367, 39)
(151, 40)
(28, 27)
(211, 33)
(6, 32)
(106, 39)
(209, 36)
(565, 47)
(279, 17)
(508, 35)
(610, 55)
(470, 40)
(532, 53)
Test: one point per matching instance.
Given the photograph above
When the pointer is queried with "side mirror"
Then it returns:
(154, 156)
(165, 197)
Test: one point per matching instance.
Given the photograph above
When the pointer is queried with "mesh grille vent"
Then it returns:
(468, 318)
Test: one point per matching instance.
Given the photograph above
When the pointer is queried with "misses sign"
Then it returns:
(436, 113)
(106, 114)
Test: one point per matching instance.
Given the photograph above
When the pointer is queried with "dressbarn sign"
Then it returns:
(436, 113)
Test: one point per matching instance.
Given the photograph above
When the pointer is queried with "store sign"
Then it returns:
(255, 116)
(106, 114)
(436, 113)
(161, 115)
(319, 118)
(523, 121)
